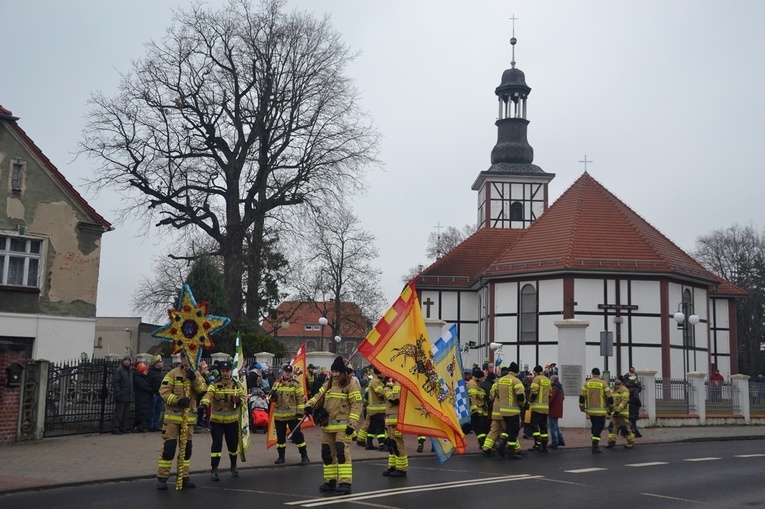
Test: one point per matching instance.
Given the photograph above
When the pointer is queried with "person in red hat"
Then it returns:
(142, 391)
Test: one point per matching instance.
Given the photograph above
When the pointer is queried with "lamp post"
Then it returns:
(337, 344)
(323, 322)
(684, 321)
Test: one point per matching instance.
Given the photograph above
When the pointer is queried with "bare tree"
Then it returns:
(334, 266)
(234, 114)
(441, 243)
(737, 254)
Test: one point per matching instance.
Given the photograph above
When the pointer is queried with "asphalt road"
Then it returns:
(716, 474)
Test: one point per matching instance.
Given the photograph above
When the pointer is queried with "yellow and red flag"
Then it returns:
(400, 348)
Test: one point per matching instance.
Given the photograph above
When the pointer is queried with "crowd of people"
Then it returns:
(506, 403)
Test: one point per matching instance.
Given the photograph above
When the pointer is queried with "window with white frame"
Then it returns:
(20, 261)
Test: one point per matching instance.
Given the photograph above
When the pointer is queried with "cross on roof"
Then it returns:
(585, 162)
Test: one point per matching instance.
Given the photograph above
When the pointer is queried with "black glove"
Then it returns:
(191, 375)
(202, 409)
(308, 410)
(615, 413)
(184, 402)
(273, 395)
(349, 430)
(395, 401)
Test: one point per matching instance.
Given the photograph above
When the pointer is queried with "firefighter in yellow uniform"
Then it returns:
(398, 461)
(224, 397)
(338, 417)
(595, 400)
(508, 397)
(376, 412)
(289, 397)
(479, 413)
(178, 390)
(620, 415)
(539, 399)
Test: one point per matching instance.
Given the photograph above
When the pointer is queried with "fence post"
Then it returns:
(741, 384)
(696, 378)
(647, 379)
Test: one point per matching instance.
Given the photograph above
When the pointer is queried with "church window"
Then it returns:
(516, 211)
(528, 314)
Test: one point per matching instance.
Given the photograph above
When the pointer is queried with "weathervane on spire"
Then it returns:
(513, 40)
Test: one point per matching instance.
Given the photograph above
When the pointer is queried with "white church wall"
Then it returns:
(644, 329)
(589, 293)
(645, 294)
(432, 297)
(469, 307)
(504, 329)
(549, 296)
(448, 307)
(505, 298)
(546, 328)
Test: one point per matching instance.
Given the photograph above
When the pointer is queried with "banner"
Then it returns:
(447, 353)
(243, 434)
(399, 347)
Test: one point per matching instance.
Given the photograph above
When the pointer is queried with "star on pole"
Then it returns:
(190, 328)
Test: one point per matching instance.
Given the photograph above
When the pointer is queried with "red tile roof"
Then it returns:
(297, 315)
(586, 229)
(461, 266)
(6, 115)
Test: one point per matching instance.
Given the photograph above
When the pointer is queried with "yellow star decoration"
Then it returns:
(190, 327)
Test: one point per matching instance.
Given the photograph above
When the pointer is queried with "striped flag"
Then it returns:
(400, 348)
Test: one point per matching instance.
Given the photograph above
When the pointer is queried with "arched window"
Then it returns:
(516, 211)
(528, 314)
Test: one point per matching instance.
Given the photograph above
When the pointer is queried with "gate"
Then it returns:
(79, 398)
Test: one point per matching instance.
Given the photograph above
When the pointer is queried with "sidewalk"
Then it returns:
(84, 459)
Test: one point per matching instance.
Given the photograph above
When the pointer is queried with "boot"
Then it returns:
(544, 447)
(398, 473)
(562, 443)
(610, 445)
(388, 472)
(234, 471)
(280, 459)
(343, 488)
(162, 484)
(303, 456)
(328, 486)
(214, 474)
(382, 447)
(419, 445)
(188, 484)
(595, 448)
(370, 446)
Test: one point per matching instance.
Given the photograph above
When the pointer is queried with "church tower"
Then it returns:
(512, 193)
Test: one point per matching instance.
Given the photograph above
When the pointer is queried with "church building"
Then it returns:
(588, 256)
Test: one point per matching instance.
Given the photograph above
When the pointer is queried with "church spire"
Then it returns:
(513, 92)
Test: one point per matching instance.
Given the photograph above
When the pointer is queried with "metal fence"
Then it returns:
(80, 400)
(722, 398)
(757, 397)
(674, 396)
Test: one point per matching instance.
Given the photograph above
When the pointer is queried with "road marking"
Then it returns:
(315, 502)
(674, 498)
(585, 470)
(650, 464)
(701, 459)
(749, 455)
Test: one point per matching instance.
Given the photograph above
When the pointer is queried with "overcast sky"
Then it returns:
(665, 97)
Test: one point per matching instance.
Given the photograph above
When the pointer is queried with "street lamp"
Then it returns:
(683, 310)
(323, 322)
(337, 342)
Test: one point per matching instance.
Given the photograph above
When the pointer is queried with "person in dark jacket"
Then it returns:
(156, 374)
(556, 412)
(635, 405)
(122, 391)
(142, 392)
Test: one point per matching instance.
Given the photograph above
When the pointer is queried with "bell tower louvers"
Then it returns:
(512, 193)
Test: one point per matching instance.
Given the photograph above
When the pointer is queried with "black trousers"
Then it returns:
(217, 431)
(281, 432)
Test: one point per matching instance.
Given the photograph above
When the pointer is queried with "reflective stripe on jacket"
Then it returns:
(219, 398)
(595, 393)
